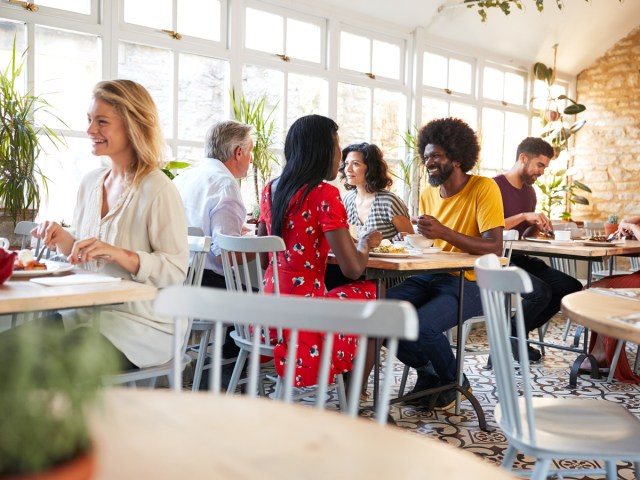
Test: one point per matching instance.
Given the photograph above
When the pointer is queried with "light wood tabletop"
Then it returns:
(577, 249)
(22, 295)
(598, 312)
(163, 435)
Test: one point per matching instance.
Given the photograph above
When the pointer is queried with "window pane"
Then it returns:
(389, 120)
(141, 12)
(354, 113)
(355, 53)
(465, 112)
(151, 67)
(433, 108)
(65, 168)
(9, 31)
(202, 95)
(460, 76)
(540, 94)
(514, 89)
(264, 31)
(306, 95)
(558, 89)
(434, 70)
(493, 84)
(386, 59)
(67, 66)
(303, 40)
(199, 18)
(257, 81)
(79, 6)
(492, 135)
(516, 128)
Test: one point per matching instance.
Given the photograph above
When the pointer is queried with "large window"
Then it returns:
(191, 53)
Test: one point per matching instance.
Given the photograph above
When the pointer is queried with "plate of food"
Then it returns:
(561, 243)
(601, 243)
(389, 251)
(538, 239)
(27, 266)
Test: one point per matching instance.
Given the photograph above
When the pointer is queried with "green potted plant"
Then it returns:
(611, 225)
(254, 113)
(556, 188)
(50, 380)
(21, 142)
(410, 170)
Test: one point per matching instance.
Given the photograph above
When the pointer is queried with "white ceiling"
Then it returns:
(583, 30)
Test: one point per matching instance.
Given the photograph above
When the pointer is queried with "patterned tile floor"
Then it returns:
(551, 377)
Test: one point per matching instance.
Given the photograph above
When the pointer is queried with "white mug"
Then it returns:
(4, 243)
(563, 235)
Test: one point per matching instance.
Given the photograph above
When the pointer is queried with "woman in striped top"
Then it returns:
(370, 206)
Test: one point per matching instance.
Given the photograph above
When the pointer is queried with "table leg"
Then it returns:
(575, 368)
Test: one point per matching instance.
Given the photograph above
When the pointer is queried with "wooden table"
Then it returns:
(21, 295)
(381, 268)
(589, 253)
(162, 435)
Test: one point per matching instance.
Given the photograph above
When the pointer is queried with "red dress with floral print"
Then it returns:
(301, 272)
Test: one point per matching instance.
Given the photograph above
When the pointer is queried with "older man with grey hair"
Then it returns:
(210, 190)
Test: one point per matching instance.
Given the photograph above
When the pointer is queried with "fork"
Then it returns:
(39, 257)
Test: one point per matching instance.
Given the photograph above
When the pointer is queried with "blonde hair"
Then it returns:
(140, 115)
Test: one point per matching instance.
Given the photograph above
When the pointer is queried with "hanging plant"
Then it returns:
(505, 5)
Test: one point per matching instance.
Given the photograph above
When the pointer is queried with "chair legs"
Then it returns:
(612, 471)
(614, 360)
(567, 327)
(237, 371)
(541, 469)
(509, 458)
(202, 355)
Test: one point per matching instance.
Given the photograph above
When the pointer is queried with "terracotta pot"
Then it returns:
(80, 468)
(610, 228)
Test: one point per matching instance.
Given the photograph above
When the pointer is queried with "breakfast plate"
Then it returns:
(593, 243)
(561, 243)
(389, 255)
(431, 250)
(53, 268)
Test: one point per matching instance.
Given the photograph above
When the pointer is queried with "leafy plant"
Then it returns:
(613, 219)
(49, 381)
(253, 112)
(505, 5)
(21, 142)
(410, 167)
(174, 165)
(556, 187)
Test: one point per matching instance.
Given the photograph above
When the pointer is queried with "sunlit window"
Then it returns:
(196, 18)
(77, 6)
(364, 54)
(504, 86)
(306, 95)
(444, 72)
(501, 134)
(280, 35)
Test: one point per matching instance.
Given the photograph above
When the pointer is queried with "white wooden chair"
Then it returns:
(546, 428)
(244, 274)
(391, 319)
(23, 230)
(198, 247)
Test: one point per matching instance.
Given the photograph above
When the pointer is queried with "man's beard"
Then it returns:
(443, 175)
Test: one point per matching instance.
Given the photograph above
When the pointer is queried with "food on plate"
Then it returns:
(389, 249)
(25, 261)
(597, 238)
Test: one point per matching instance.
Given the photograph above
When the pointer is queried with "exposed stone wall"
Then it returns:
(607, 149)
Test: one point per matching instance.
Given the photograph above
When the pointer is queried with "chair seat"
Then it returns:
(579, 428)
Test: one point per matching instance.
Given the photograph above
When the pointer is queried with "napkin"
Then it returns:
(74, 280)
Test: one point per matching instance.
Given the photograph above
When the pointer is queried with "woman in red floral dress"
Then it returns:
(309, 215)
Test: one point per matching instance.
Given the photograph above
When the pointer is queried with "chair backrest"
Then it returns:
(594, 229)
(508, 237)
(495, 283)
(23, 229)
(390, 319)
(237, 261)
(199, 246)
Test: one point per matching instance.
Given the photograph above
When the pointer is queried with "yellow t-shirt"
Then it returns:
(475, 209)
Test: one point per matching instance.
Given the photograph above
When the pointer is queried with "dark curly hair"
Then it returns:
(377, 177)
(456, 138)
(535, 146)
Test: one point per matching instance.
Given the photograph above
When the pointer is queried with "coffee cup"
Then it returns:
(563, 235)
(4, 243)
(418, 241)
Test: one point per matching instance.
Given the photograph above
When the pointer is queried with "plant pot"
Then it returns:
(610, 228)
(7, 226)
(81, 467)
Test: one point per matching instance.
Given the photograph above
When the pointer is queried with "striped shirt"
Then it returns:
(386, 205)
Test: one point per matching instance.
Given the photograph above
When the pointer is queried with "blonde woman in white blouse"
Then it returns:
(129, 221)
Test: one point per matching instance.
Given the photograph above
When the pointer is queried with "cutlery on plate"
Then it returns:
(39, 257)
(612, 237)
